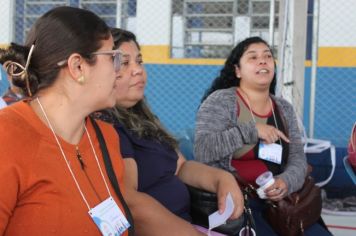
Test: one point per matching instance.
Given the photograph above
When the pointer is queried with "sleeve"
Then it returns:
(126, 146)
(218, 133)
(296, 167)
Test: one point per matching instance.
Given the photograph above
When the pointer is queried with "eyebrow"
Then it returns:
(127, 55)
(252, 51)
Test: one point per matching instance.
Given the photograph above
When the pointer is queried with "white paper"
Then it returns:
(217, 219)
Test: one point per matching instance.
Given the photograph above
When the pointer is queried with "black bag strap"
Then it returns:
(112, 176)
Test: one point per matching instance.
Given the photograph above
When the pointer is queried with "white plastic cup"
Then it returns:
(264, 181)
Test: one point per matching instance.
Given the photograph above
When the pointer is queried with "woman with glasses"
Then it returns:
(156, 172)
(52, 174)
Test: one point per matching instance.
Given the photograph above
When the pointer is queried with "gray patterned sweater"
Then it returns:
(218, 134)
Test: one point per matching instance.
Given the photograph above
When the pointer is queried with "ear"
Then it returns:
(237, 71)
(75, 66)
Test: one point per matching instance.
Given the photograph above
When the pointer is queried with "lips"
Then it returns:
(263, 71)
(138, 84)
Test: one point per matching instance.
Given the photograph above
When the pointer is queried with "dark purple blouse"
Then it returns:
(156, 164)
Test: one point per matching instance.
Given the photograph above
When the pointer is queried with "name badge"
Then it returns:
(109, 218)
(270, 152)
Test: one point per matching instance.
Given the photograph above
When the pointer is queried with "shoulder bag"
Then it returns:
(291, 215)
(112, 176)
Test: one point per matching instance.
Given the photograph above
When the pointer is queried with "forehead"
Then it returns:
(257, 47)
(129, 46)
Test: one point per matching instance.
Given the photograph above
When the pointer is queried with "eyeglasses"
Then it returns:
(116, 57)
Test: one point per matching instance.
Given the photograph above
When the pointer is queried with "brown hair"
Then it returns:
(55, 36)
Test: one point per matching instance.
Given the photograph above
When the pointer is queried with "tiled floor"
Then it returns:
(340, 225)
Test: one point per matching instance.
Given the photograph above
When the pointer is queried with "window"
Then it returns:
(211, 28)
(28, 11)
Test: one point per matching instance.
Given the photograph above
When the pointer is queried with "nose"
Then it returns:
(262, 61)
(137, 69)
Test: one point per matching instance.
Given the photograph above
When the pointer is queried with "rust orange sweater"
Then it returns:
(38, 195)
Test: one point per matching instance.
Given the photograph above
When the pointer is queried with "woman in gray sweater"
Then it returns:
(241, 126)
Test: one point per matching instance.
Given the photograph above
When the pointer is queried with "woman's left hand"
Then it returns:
(214, 180)
(228, 184)
(277, 191)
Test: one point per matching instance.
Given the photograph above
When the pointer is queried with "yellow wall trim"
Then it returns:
(160, 54)
(337, 57)
(328, 57)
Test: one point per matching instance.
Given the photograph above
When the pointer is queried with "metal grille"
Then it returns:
(185, 42)
(211, 28)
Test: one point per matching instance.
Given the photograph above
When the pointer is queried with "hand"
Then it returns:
(277, 191)
(227, 183)
(269, 133)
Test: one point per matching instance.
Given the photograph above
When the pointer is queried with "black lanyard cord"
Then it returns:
(112, 177)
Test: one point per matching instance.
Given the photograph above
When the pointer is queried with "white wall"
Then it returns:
(153, 22)
(337, 23)
(6, 19)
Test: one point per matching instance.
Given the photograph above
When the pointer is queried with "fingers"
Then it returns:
(278, 190)
(238, 203)
(282, 136)
(270, 134)
(221, 204)
(239, 207)
(276, 194)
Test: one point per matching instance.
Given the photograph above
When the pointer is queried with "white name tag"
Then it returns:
(109, 218)
(270, 152)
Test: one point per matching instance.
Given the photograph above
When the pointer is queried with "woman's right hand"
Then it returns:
(270, 134)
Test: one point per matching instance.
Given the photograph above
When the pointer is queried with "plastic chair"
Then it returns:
(318, 146)
(4, 83)
(186, 143)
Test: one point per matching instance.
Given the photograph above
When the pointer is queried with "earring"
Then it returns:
(81, 79)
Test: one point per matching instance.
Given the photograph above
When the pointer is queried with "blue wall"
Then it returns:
(174, 93)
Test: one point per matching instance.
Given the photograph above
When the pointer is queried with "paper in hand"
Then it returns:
(216, 219)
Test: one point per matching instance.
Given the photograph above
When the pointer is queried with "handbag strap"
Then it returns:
(112, 176)
(249, 227)
(248, 188)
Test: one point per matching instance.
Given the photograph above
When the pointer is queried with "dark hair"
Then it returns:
(227, 77)
(139, 119)
(11, 55)
(56, 35)
(120, 36)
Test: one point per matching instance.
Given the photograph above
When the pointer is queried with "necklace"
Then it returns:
(66, 160)
(253, 116)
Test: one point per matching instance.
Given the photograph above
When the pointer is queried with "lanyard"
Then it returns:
(66, 160)
(253, 116)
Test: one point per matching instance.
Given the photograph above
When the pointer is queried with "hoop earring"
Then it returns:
(81, 79)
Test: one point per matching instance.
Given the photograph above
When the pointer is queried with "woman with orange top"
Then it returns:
(52, 174)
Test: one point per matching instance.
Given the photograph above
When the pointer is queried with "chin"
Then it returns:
(112, 103)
